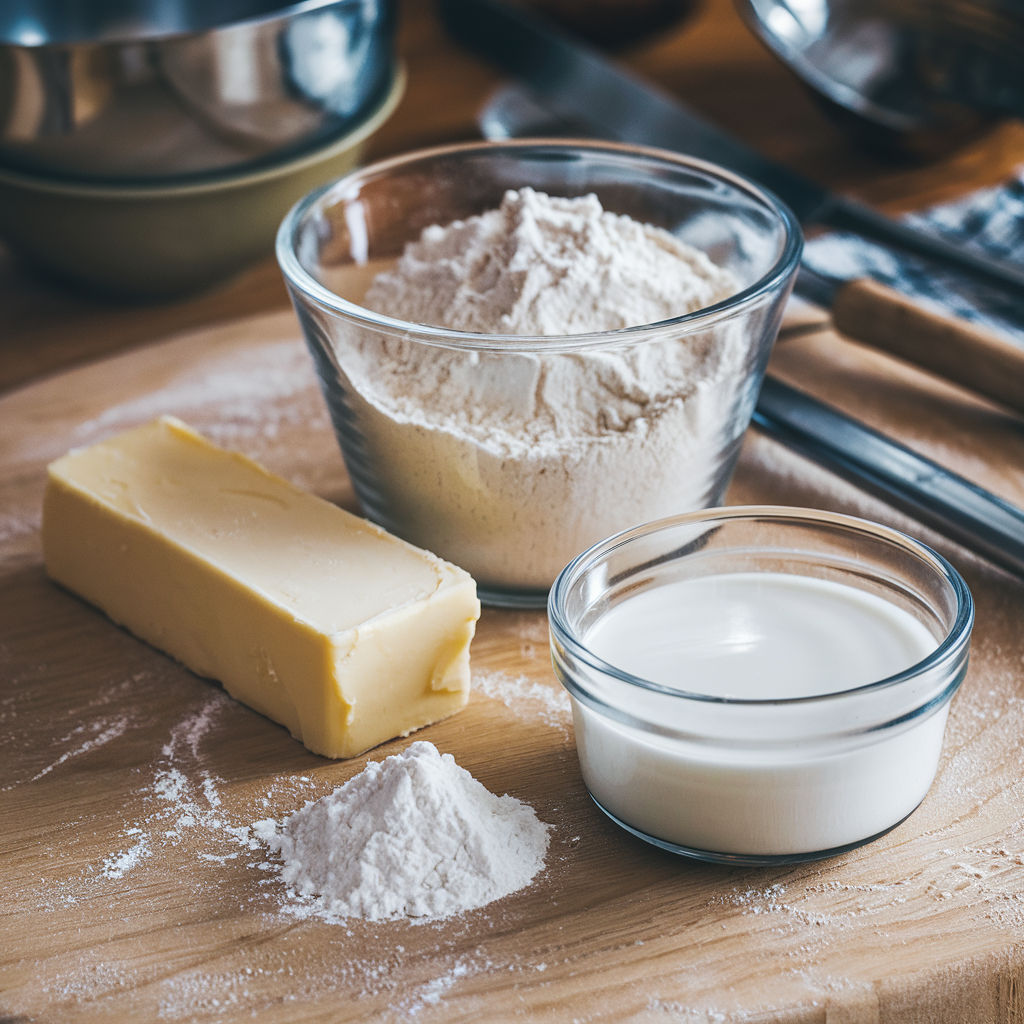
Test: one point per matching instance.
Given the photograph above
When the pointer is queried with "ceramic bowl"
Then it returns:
(153, 241)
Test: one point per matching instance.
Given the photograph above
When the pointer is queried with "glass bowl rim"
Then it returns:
(947, 650)
(301, 280)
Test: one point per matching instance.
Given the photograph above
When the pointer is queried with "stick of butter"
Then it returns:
(311, 616)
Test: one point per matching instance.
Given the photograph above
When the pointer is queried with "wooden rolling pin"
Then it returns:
(962, 352)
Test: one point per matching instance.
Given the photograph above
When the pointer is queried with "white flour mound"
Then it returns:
(546, 266)
(510, 463)
(413, 836)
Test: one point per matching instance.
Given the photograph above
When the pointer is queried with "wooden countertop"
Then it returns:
(124, 779)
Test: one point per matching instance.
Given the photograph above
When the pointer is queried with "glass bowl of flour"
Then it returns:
(528, 346)
(758, 684)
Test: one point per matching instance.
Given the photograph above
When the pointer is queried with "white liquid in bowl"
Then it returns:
(759, 636)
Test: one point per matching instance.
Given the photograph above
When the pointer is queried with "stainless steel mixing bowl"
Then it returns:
(144, 90)
(154, 240)
(919, 76)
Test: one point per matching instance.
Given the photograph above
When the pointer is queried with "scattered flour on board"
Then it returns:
(104, 730)
(527, 698)
(412, 836)
(183, 799)
(84, 733)
(121, 863)
(433, 991)
(248, 392)
(251, 401)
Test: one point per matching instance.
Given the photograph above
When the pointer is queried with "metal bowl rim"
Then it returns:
(843, 95)
(284, 13)
(221, 181)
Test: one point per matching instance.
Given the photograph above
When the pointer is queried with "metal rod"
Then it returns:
(925, 490)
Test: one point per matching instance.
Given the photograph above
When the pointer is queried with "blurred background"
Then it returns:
(720, 58)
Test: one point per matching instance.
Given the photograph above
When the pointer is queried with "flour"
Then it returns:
(546, 266)
(413, 836)
(511, 459)
(118, 865)
(528, 699)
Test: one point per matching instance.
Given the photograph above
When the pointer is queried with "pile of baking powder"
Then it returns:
(413, 836)
(510, 461)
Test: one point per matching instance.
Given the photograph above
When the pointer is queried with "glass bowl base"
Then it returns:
(746, 859)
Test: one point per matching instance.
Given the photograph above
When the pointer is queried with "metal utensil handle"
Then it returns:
(952, 505)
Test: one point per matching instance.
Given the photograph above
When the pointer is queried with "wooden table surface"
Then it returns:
(124, 780)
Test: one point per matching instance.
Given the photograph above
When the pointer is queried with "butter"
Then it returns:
(315, 618)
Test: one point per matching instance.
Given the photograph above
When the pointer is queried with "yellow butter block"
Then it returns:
(316, 618)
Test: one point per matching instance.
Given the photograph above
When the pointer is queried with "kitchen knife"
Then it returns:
(957, 508)
(577, 83)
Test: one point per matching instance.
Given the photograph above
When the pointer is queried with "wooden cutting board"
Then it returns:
(132, 890)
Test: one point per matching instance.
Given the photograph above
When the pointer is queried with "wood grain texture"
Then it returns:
(109, 747)
(125, 894)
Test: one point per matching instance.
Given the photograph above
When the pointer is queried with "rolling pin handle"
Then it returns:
(962, 352)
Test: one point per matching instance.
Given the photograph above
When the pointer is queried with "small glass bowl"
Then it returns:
(766, 780)
(509, 508)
